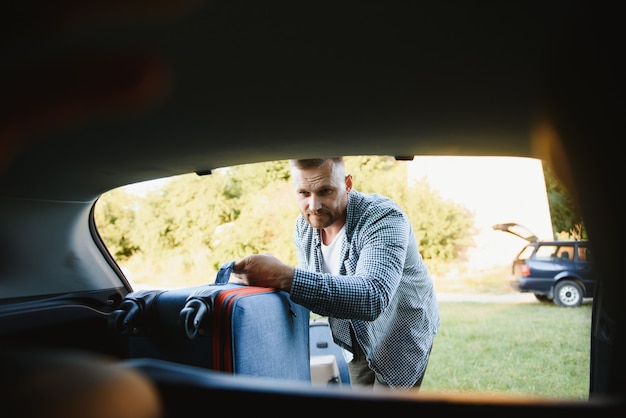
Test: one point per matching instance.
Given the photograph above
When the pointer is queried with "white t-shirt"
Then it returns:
(332, 252)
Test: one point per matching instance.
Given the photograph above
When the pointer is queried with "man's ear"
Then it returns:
(348, 182)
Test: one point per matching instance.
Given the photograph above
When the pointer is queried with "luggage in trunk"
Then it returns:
(229, 327)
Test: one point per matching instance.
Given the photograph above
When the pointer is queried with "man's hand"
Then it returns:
(264, 270)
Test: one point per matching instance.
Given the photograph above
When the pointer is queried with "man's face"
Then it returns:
(322, 194)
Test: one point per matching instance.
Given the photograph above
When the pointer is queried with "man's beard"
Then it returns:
(320, 220)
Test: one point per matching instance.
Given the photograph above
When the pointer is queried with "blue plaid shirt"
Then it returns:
(384, 290)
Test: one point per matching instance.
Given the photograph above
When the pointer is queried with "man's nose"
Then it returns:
(315, 203)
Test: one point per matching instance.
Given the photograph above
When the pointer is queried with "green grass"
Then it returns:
(526, 349)
(520, 349)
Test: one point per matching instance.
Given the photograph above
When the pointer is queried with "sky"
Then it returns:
(497, 190)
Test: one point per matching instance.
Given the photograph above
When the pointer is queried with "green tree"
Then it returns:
(444, 229)
(189, 227)
(254, 177)
(566, 220)
(115, 219)
(377, 174)
(266, 225)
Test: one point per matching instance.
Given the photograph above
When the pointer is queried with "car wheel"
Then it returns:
(542, 298)
(568, 294)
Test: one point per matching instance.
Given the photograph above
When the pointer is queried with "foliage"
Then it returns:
(265, 226)
(444, 229)
(115, 219)
(566, 220)
(373, 174)
(189, 227)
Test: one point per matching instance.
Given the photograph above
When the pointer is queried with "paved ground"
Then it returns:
(485, 297)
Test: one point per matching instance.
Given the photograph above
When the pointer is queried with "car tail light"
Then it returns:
(525, 270)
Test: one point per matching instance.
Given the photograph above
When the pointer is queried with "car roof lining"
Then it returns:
(278, 88)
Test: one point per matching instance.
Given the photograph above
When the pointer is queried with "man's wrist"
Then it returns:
(288, 280)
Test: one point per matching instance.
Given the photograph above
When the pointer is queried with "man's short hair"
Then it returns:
(307, 163)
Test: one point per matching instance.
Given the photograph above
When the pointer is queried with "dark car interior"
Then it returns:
(98, 95)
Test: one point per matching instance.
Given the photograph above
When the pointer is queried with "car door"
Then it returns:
(585, 267)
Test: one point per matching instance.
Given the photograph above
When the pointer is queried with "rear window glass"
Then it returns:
(546, 252)
(526, 253)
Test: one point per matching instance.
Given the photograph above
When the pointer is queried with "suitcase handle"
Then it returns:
(223, 274)
(192, 315)
(130, 312)
(196, 309)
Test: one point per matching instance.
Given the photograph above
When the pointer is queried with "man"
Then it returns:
(359, 265)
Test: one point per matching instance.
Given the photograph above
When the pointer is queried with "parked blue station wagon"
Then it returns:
(558, 271)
